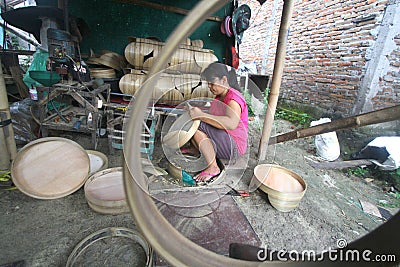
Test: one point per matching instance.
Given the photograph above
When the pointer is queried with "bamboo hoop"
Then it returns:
(137, 51)
(110, 232)
(142, 53)
(186, 83)
(202, 92)
(172, 97)
(183, 85)
(131, 82)
(204, 59)
(198, 43)
(186, 41)
(102, 73)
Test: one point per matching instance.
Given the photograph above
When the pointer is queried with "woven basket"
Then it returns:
(284, 187)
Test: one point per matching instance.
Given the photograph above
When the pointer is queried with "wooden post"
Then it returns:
(276, 78)
(166, 8)
(7, 132)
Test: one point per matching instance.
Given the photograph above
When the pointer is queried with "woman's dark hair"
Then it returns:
(219, 70)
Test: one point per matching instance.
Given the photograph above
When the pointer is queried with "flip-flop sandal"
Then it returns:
(209, 180)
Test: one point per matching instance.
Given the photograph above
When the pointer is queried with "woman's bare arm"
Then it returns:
(228, 122)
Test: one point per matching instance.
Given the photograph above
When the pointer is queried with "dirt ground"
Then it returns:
(44, 232)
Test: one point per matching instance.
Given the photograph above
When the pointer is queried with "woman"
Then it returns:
(223, 130)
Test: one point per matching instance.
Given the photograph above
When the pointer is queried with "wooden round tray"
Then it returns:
(50, 168)
(104, 191)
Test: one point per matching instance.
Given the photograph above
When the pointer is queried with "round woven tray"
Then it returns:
(50, 168)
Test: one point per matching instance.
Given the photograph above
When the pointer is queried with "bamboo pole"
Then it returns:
(7, 131)
(276, 78)
(4, 155)
(369, 118)
(165, 8)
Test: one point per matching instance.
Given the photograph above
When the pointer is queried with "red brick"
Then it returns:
(322, 37)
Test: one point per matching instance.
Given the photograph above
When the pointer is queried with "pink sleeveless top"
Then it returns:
(239, 134)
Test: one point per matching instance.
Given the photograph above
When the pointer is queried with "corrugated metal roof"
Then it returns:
(11, 3)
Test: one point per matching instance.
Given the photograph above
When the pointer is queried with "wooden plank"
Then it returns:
(83, 101)
(17, 76)
(49, 97)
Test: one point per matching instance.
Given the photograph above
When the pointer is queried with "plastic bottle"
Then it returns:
(90, 118)
(33, 93)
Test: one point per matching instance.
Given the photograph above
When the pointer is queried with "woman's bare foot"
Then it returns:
(207, 174)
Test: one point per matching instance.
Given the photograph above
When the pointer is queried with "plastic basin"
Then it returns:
(46, 78)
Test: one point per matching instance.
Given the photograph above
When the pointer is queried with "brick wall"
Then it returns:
(390, 83)
(329, 47)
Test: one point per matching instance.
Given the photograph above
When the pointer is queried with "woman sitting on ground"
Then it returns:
(223, 130)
